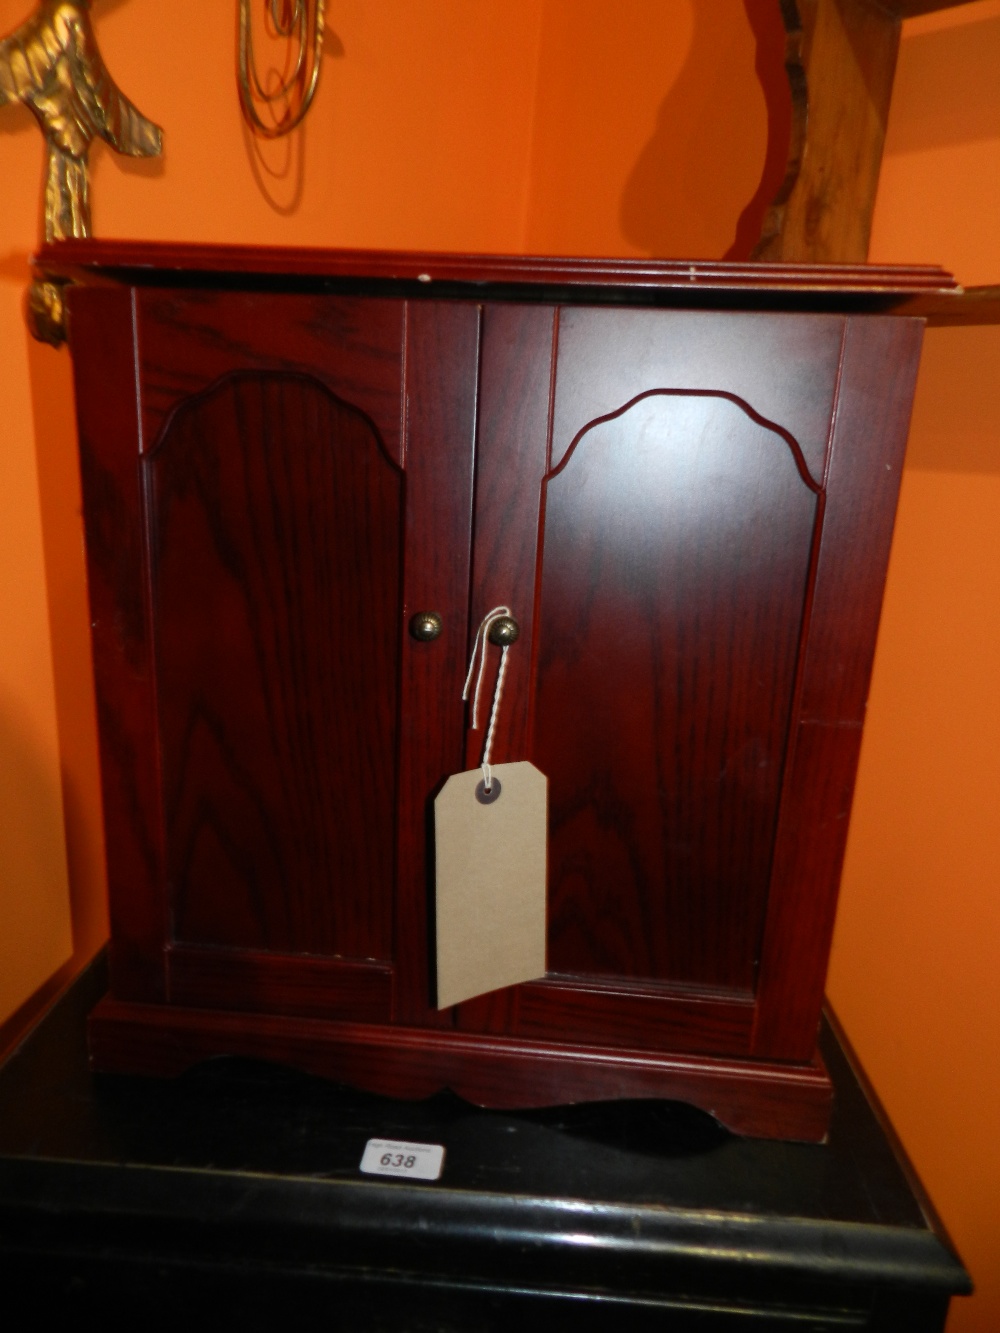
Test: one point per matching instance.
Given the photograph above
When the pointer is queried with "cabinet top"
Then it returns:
(916, 288)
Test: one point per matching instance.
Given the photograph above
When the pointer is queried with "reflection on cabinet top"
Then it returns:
(910, 289)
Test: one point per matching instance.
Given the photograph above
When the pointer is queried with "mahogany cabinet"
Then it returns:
(682, 480)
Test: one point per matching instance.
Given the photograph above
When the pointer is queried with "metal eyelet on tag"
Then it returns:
(485, 797)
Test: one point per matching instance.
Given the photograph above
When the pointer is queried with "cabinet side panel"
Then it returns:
(442, 349)
(869, 437)
(275, 533)
(104, 360)
(881, 358)
(676, 555)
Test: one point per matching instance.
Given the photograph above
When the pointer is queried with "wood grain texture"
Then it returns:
(102, 343)
(189, 339)
(768, 1100)
(865, 468)
(275, 521)
(518, 348)
(677, 545)
(442, 354)
(667, 281)
(974, 305)
(841, 61)
(689, 512)
(637, 1015)
(511, 460)
(270, 983)
(785, 369)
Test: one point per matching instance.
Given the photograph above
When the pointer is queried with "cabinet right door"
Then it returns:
(690, 514)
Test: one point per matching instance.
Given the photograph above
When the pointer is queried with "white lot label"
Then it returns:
(389, 1157)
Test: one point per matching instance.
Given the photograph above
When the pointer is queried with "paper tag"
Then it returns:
(389, 1157)
(490, 899)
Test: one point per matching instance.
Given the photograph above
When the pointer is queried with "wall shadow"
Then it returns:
(101, 7)
(149, 168)
(769, 66)
(956, 413)
(14, 267)
(29, 809)
(946, 88)
(15, 118)
(53, 408)
(278, 166)
(672, 199)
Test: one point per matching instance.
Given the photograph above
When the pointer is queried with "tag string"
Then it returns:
(479, 649)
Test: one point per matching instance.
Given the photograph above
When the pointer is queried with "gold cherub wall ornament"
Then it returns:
(52, 64)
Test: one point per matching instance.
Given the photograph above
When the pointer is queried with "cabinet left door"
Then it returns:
(273, 484)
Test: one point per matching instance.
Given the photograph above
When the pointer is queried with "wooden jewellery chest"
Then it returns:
(680, 477)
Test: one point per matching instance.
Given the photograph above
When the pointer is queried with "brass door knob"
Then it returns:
(504, 631)
(426, 625)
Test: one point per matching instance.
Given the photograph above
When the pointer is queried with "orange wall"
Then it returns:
(35, 933)
(557, 125)
(419, 136)
(916, 958)
(634, 114)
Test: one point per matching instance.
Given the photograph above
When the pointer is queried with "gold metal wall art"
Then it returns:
(52, 64)
(275, 105)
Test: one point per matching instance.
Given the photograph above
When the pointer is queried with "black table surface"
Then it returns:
(235, 1192)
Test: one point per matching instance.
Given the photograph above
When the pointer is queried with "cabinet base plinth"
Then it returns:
(754, 1098)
